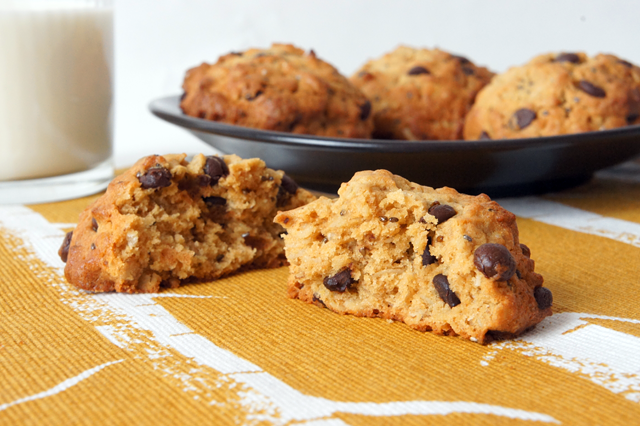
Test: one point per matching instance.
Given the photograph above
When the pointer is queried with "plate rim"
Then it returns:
(158, 107)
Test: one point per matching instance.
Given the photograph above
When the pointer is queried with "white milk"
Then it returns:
(56, 62)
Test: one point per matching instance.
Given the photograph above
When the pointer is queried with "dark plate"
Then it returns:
(508, 167)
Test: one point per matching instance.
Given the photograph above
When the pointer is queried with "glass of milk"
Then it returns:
(56, 92)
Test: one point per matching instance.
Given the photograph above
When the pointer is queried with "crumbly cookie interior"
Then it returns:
(381, 250)
(177, 238)
(168, 221)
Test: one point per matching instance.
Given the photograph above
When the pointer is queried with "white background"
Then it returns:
(158, 40)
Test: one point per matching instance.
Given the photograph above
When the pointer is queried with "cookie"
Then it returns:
(556, 94)
(281, 88)
(420, 94)
(167, 221)
(434, 259)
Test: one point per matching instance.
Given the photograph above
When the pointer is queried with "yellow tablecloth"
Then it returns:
(237, 351)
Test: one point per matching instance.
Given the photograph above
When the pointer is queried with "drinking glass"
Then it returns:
(56, 92)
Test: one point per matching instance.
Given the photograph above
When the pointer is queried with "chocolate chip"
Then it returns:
(203, 180)
(417, 70)
(383, 218)
(591, 89)
(340, 282)
(631, 118)
(215, 201)
(484, 136)
(462, 59)
(289, 185)
(393, 219)
(184, 95)
(468, 238)
(251, 97)
(543, 296)
(626, 63)
(518, 274)
(495, 335)
(216, 168)
(236, 53)
(94, 225)
(442, 212)
(525, 250)
(255, 242)
(494, 261)
(296, 120)
(156, 177)
(468, 71)
(523, 117)
(427, 258)
(441, 283)
(365, 110)
(286, 185)
(63, 251)
(568, 57)
(317, 300)
(93, 246)
(220, 257)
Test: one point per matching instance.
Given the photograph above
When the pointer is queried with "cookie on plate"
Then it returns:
(432, 258)
(420, 94)
(167, 221)
(556, 94)
(281, 88)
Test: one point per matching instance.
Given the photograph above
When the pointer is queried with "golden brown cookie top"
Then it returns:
(420, 94)
(557, 93)
(280, 88)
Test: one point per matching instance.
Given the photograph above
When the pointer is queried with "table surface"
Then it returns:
(237, 351)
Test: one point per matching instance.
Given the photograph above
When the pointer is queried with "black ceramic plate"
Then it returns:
(508, 167)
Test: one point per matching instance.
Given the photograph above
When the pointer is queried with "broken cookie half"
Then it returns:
(432, 258)
(167, 221)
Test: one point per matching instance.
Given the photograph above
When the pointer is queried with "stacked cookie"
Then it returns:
(557, 94)
(420, 94)
(281, 88)
(414, 94)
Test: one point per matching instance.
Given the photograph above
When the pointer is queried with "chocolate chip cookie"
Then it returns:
(432, 258)
(281, 88)
(420, 94)
(168, 221)
(557, 94)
